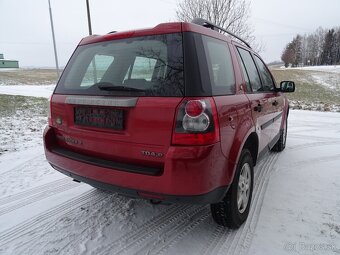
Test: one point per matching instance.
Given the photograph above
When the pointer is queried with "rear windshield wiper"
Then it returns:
(111, 87)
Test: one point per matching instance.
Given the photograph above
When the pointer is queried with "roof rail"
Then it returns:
(208, 24)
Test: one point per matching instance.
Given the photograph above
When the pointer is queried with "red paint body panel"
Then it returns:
(166, 28)
(231, 112)
(146, 128)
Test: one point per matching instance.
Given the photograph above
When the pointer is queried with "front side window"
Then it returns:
(267, 81)
(220, 66)
(141, 66)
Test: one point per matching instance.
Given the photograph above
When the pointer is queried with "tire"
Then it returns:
(281, 143)
(228, 213)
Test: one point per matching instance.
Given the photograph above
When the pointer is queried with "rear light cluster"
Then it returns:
(195, 118)
(196, 123)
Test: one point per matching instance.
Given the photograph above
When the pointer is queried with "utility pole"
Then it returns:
(54, 44)
(89, 17)
(90, 33)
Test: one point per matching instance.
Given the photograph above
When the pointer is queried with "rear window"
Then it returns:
(141, 66)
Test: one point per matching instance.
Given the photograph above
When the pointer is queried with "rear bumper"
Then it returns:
(208, 198)
(191, 174)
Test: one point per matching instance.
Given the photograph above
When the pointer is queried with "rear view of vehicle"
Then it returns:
(120, 120)
(162, 114)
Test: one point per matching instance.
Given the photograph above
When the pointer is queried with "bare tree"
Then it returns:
(232, 15)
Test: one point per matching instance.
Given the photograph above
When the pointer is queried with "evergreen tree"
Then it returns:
(327, 48)
(336, 47)
(288, 55)
(297, 42)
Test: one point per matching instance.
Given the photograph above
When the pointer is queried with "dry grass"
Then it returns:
(10, 105)
(308, 89)
(28, 76)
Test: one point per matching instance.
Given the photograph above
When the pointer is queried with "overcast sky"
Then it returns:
(25, 32)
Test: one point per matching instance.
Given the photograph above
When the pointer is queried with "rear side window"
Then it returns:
(251, 70)
(220, 66)
(141, 66)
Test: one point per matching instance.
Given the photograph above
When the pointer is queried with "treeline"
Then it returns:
(319, 48)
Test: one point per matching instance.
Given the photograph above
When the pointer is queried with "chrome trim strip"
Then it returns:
(102, 101)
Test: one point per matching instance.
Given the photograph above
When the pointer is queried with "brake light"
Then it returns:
(196, 123)
(195, 119)
(194, 108)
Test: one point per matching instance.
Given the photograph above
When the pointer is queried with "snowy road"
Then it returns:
(295, 208)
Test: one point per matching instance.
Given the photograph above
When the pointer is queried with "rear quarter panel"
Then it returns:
(236, 124)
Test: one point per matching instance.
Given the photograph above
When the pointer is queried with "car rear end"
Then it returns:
(127, 115)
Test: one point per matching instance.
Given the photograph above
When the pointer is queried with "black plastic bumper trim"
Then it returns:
(107, 163)
(211, 197)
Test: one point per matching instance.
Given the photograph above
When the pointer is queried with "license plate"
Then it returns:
(99, 117)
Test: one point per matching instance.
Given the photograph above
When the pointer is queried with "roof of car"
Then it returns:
(163, 28)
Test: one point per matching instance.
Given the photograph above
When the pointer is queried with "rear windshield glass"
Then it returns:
(141, 66)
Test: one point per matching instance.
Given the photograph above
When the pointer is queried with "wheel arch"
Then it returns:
(252, 144)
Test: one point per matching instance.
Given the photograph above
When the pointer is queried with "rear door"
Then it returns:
(260, 100)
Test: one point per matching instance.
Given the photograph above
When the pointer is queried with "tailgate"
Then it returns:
(125, 130)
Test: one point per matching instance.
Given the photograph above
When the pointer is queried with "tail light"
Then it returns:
(196, 123)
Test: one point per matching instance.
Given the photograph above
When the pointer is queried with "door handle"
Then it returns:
(275, 103)
(258, 108)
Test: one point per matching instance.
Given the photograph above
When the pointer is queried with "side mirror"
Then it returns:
(287, 86)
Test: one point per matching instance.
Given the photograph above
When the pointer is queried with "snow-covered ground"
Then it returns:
(295, 208)
(27, 90)
(328, 69)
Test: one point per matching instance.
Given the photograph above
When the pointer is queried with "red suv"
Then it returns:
(176, 113)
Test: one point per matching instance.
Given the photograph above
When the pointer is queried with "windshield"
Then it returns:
(142, 66)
